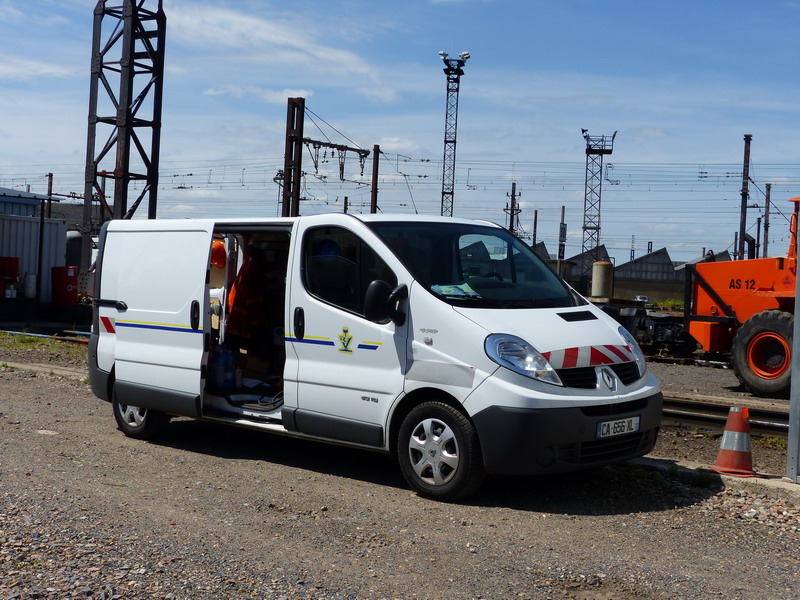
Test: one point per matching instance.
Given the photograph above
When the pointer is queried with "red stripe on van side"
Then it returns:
(109, 326)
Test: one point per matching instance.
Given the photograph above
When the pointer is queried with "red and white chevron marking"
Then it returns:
(108, 324)
(588, 356)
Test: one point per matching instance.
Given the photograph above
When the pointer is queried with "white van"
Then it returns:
(446, 342)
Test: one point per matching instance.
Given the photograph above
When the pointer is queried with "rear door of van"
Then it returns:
(153, 311)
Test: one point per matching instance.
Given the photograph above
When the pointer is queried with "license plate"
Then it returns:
(618, 427)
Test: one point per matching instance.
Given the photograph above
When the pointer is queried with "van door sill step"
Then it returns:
(271, 425)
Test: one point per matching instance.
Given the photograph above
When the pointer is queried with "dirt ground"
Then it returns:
(217, 512)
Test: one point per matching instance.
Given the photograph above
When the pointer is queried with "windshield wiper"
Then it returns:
(471, 300)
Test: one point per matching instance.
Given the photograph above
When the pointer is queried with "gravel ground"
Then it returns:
(217, 512)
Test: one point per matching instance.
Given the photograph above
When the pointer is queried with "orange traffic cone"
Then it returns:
(735, 455)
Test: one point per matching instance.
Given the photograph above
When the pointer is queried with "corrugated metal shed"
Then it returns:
(712, 257)
(656, 266)
(541, 250)
(19, 237)
(16, 202)
(600, 253)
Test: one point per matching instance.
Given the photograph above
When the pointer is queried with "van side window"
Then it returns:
(338, 267)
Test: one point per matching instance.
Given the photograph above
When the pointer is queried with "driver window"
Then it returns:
(484, 256)
(338, 267)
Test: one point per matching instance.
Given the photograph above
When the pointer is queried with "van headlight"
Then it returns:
(634, 346)
(516, 354)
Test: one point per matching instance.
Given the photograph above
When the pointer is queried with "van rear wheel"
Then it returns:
(439, 453)
(137, 422)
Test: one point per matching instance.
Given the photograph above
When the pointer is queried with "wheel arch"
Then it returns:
(413, 399)
(786, 304)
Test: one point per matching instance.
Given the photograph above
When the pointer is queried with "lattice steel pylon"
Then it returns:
(454, 69)
(596, 148)
(132, 79)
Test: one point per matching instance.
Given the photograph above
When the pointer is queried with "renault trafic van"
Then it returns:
(445, 342)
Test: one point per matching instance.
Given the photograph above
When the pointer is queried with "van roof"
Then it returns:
(366, 218)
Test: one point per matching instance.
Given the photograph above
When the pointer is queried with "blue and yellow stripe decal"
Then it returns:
(369, 345)
(326, 341)
(310, 339)
(157, 326)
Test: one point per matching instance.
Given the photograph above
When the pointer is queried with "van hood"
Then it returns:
(567, 337)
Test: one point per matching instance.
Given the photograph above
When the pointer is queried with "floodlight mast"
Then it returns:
(597, 146)
(454, 69)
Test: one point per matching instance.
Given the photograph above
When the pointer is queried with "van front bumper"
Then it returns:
(529, 441)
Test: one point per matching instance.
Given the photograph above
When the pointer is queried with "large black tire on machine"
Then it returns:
(762, 353)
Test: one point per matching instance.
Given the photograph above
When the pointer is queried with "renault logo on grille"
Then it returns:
(609, 379)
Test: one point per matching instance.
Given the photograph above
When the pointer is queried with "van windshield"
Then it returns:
(474, 265)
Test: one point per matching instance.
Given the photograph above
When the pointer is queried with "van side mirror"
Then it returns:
(380, 302)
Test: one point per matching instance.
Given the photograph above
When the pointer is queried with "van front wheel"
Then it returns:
(439, 453)
(137, 422)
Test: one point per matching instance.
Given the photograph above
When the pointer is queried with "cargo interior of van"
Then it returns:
(247, 287)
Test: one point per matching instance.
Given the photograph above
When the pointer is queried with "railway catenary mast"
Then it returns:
(128, 64)
(597, 146)
(745, 197)
(513, 211)
(454, 69)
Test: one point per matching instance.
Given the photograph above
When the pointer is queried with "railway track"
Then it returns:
(763, 421)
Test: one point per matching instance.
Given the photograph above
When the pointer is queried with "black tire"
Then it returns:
(439, 453)
(139, 423)
(762, 353)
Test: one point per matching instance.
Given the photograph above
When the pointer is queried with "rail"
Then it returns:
(762, 421)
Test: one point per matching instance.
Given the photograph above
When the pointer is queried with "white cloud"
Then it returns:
(201, 25)
(397, 145)
(267, 95)
(284, 43)
(9, 14)
(380, 94)
(19, 68)
(178, 208)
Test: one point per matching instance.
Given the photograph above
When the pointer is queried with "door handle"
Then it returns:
(194, 317)
(299, 323)
(118, 304)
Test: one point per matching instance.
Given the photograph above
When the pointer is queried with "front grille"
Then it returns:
(582, 377)
(627, 372)
(606, 450)
(586, 377)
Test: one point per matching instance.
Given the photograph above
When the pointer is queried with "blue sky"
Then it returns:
(681, 82)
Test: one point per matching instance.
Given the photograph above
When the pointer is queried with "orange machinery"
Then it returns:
(746, 307)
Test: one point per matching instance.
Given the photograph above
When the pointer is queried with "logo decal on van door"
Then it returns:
(344, 339)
